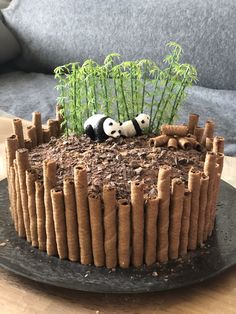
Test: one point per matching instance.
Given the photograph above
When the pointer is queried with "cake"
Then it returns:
(119, 203)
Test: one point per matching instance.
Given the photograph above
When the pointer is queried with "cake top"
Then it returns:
(116, 161)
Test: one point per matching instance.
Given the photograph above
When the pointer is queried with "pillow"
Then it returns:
(56, 32)
(4, 3)
(9, 47)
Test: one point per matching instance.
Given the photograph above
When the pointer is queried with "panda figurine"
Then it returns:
(135, 126)
(100, 127)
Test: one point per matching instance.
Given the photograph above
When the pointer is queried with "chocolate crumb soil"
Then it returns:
(115, 161)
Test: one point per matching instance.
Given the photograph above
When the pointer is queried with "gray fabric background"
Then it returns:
(9, 47)
(55, 32)
(22, 93)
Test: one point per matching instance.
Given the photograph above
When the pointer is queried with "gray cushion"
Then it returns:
(68, 30)
(9, 47)
(4, 3)
(22, 93)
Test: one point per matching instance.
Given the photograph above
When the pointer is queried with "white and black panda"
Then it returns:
(135, 126)
(100, 127)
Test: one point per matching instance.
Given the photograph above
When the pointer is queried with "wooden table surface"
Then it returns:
(20, 295)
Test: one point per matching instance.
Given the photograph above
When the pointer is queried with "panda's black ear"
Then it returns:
(111, 123)
(121, 123)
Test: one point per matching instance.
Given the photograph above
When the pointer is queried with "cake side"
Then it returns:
(69, 215)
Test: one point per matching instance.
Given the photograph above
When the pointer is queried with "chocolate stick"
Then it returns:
(204, 182)
(137, 203)
(19, 209)
(151, 215)
(12, 176)
(124, 233)
(54, 127)
(209, 143)
(159, 140)
(192, 122)
(185, 143)
(81, 195)
(208, 131)
(96, 221)
(36, 120)
(185, 223)
(176, 210)
(58, 209)
(220, 161)
(46, 135)
(110, 223)
(194, 187)
(22, 158)
(49, 179)
(213, 212)
(31, 177)
(172, 143)
(12, 145)
(209, 170)
(40, 212)
(28, 144)
(71, 219)
(218, 144)
(163, 187)
(198, 132)
(32, 135)
(18, 130)
(179, 130)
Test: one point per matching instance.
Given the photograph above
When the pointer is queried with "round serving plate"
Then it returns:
(218, 254)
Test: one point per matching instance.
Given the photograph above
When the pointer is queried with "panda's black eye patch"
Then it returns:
(142, 121)
(119, 131)
(112, 132)
(110, 123)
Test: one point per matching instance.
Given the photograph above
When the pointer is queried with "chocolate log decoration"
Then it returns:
(209, 143)
(151, 214)
(192, 122)
(19, 209)
(96, 222)
(31, 177)
(110, 223)
(32, 135)
(208, 131)
(41, 215)
(209, 170)
(28, 144)
(198, 132)
(54, 127)
(185, 223)
(36, 121)
(22, 158)
(176, 210)
(163, 187)
(49, 179)
(159, 141)
(71, 219)
(59, 221)
(18, 130)
(12, 183)
(137, 203)
(46, 135)
(124, 233)
(172, 143)
(81, 195)
(12, 144)
(204, 182)
(171, 130)
(194, 187)
(218, 144)
(185, 143)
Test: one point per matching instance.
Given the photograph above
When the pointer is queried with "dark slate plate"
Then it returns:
(218, 254)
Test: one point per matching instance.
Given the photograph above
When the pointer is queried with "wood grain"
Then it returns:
(217, 295)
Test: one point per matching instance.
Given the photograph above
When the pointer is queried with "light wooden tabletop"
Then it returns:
(20, 295)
